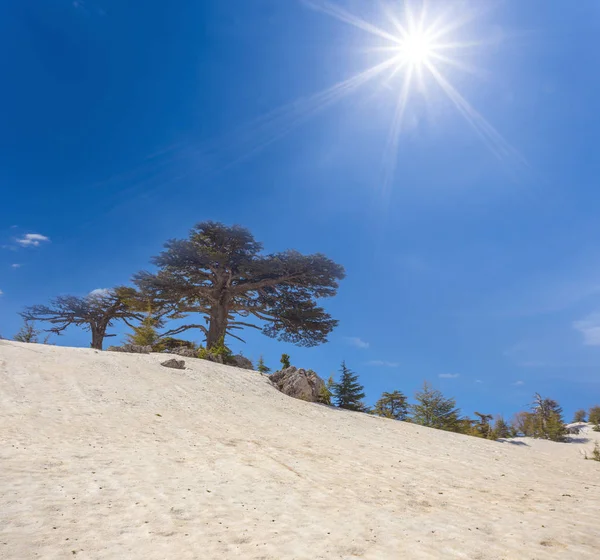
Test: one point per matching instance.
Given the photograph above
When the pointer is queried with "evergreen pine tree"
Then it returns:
(285, 361)
(594, 417)
(549, 423)
(579, 416)
(348, 392)
(145, 334)
(261, 366)
(501, 429)
(392, 405)
(434, 410)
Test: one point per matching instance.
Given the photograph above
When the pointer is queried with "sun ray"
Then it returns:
(390, 158)
(343, 15)
(500, 147)
(420, 44)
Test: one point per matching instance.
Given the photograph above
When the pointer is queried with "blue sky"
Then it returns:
(473, 264)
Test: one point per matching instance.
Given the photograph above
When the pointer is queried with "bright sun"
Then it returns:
(416, 48)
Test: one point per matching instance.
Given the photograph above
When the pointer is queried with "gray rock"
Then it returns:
(173, 363)
(131, 349)
(299, 383)
(241, 361)
(185, 352)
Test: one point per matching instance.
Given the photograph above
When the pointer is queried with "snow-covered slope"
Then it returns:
(107, 455)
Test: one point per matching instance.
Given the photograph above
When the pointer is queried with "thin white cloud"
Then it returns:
(448, 375)
(589, 329)
(16, 265)
(356, 341)
(382, 363)
(1, 292)
(478, 381)
(99, 292)
(519, 383)
(32, 240)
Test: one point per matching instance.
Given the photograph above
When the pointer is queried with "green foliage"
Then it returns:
(548, 420)
(501, 429)
(392, 405)
(221, 273)
(524, 424)
(348, 393)
(169, 344)
(545, 420)
(261, 366)
(434, 410)
(145, 334)
(594, 417)
(325, 393)
(285, 361)
(217, 353)
(580, 415)
(28, 333)
(595, 453)
(481, 426)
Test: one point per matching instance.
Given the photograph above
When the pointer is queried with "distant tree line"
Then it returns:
(432, 409)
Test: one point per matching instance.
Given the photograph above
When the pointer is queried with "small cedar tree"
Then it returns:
(28, 333)
(392, 405)
(348, 392)
(285, 361)
(434, 410)
(261, 366)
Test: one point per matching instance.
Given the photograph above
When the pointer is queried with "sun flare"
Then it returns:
(416, 49)
(422, 48)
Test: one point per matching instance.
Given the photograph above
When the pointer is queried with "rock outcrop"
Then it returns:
(131, 348)
(173, 363)
(241, 361)
(299, 383)
(185, 352)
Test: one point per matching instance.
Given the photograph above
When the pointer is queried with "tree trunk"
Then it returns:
(217, 327)
(97, 336)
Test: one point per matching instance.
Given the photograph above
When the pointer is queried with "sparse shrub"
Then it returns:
(169, 344)
(580, 416)
(28, 333)
(285, 361)
(595, 453)
(594, 417)
(325, 393)
(217, 353)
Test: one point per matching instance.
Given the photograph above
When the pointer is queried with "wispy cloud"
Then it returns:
(589, 329)
(32, 240)
(478, 381)
(519, 383)
(1, 292)
(99, 292)
(448, 375)
(382, 363)
(357, 342)
(16, 265)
